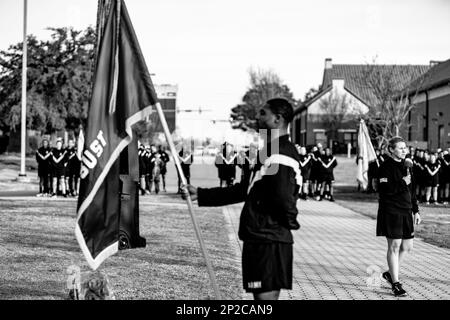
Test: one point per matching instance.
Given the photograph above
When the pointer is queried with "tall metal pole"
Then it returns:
(198, 232)
(24, 93)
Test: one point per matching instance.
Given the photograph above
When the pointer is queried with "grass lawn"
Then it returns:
(38, 245)
(434, 229)
(12, 161)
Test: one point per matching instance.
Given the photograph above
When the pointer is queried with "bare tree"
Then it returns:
(391, 90)
(336, 110)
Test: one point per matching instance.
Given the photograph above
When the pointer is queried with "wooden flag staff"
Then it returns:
(189, 201)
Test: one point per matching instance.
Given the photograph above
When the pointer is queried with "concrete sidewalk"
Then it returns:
(338, 256)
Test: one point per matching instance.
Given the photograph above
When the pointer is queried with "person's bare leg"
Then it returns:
(447, 192)
(405, 248)
(393, 257)
(55, 185)
(67, 184)
(428, 194)
(62, 182)
(305, 188)
(269, 295)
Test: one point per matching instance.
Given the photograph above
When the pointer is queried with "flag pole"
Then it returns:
(24, 94)
(189, 201)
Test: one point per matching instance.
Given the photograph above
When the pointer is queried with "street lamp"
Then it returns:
(24, 93)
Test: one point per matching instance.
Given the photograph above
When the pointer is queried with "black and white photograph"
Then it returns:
(228, 155)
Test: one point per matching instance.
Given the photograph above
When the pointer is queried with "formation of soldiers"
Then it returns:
(317, 170)
(58, 169)
(431, 172)
(152, 168)
(227, 159)
(316, 166)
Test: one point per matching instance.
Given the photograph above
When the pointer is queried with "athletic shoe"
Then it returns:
(398, 290)
(54, 196)
(387, 276)
(319, 198)
(331, 199)
(39, 195)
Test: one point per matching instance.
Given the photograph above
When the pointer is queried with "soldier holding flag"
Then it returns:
(270, 212)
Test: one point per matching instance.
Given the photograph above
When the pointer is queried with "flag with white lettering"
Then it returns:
(122, 95)
(366, 154)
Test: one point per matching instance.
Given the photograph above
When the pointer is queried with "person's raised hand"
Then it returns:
(188, 189)
(407, 179)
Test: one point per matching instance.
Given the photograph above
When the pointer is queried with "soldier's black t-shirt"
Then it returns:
(57, 160)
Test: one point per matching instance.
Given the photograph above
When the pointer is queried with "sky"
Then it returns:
(206, 47)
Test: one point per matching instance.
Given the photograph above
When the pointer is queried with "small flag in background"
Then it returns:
(122, 95)
(366, 154)
(80, 144)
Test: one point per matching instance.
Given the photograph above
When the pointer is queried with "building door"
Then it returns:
(352, 138)
(440, 136)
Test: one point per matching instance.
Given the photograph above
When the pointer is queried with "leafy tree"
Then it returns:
(58, 81)
(311, 93)
(264, 85)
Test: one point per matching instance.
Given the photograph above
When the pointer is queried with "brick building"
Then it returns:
(344, 82)
(429, 121)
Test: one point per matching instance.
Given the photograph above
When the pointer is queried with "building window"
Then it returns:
(297, 130)
(320, 137)
(303, 138)
(441, 136)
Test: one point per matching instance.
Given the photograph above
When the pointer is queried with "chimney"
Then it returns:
(338, 84)
(328, 63)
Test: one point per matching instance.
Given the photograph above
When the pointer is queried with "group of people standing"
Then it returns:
(152, 168)
(431, 171)
(316, 167)
(317, 170)
(432, 174)
(58, 169)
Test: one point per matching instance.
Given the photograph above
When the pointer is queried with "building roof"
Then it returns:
(437, 76)
(353, 76)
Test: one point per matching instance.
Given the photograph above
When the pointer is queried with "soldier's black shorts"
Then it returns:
(267, 266)
(395, 225)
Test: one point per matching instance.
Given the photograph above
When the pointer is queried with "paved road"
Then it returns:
(338, 256)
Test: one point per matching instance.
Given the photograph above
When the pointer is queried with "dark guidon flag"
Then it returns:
(122, 95)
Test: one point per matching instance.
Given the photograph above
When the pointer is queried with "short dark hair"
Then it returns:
(282, 107)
